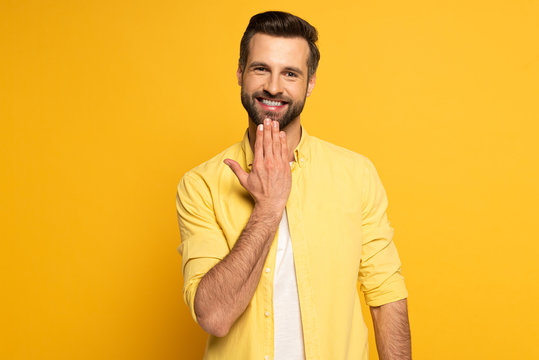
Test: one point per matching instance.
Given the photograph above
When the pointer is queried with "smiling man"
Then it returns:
(274, 242)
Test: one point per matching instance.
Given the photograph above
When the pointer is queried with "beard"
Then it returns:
(293, 109)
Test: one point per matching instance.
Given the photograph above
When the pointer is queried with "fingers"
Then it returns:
(276, 141)
(270, 142)
(236, 168)
(268, 150)
(259, 150)
(284, 146)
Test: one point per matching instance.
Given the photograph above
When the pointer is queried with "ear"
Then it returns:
(239, 75)
(310, 86)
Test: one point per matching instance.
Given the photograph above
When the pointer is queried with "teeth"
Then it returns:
(271, 103)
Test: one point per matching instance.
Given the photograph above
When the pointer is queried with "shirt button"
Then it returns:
(267, 314)
(301, 159)
(267, 270)
(266, 357)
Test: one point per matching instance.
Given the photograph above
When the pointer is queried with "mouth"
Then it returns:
(271, 105)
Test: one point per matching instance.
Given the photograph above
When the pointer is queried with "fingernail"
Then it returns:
(267, 121)
(275, 123)
(260, 127)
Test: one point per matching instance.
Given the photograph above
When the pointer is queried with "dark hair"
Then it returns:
(279, 23)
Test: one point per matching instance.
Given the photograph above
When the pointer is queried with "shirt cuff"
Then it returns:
(391, 290)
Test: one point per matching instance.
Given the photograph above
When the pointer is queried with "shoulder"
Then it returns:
(322, 148)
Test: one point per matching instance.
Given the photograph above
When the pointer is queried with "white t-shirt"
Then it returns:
(288, 333)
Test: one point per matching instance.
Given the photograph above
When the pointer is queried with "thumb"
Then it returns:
(237, 169)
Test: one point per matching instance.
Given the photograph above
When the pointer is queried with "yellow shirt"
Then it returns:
(340, 235)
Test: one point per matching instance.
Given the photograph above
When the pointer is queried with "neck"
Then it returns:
(293, 136)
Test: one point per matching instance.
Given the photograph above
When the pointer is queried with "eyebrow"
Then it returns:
(287, 68)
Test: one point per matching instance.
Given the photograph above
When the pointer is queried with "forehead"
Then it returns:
(278, 51)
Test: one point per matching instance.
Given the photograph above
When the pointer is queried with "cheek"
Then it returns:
(297, 92)
(253, 81)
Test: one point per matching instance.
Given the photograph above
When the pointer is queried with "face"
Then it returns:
(275, 80)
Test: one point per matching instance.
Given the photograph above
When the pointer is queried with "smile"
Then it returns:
(271, 104)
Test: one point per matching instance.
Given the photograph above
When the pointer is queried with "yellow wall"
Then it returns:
(105, 104)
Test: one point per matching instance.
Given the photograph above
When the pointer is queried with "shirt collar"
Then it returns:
(301, 153)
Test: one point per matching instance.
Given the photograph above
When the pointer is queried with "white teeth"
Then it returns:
(271, 103)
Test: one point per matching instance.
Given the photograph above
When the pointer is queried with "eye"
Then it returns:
(259, 68)
(291, 74)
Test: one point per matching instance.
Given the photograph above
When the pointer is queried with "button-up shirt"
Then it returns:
(340, 235)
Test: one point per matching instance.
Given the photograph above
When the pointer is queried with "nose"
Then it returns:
(273, 84)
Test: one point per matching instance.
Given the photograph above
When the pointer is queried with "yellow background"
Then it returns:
(104, 105)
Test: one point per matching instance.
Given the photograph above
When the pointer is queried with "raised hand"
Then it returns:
(270, 179)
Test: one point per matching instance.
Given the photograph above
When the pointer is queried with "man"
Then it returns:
(273, 244)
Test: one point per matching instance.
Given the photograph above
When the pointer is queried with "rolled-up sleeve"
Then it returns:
(203, 243)
(380, 267)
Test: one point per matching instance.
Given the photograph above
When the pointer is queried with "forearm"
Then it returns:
(392, 330)
(225, 291)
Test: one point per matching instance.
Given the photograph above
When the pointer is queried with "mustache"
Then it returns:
(266, 95)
